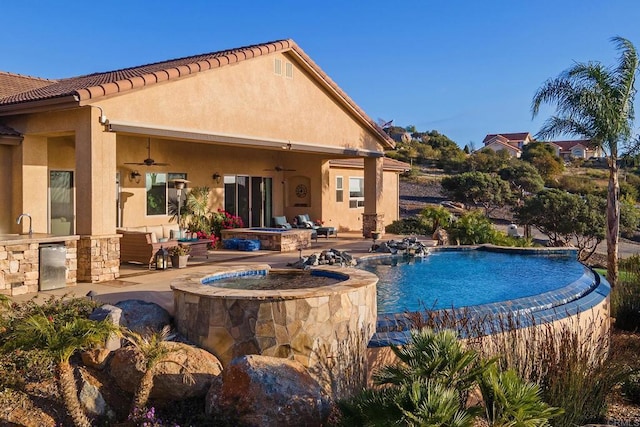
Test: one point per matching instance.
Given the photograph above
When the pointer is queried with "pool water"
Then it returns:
(466, 278)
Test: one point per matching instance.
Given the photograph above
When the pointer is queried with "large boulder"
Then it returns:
(172, 380)
(142, 316)
(267, 391)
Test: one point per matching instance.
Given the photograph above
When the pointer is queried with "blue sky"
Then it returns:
(464, 68)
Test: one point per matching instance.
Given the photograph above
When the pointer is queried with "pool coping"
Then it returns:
(581, 295)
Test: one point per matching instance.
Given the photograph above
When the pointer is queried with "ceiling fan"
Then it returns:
(148, 161)
(280, 169)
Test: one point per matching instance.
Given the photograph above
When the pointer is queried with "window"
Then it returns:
(356, 192)
(339, 189)
(288, 70)
(160, 190)
(277, 67)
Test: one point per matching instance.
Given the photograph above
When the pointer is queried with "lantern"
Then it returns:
(161, 259)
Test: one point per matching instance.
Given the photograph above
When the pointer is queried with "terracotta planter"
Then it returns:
(179, 261)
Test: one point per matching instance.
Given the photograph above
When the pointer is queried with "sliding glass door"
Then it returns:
(249, 197)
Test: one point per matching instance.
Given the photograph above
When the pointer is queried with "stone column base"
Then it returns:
(372, 223)
(99, 258)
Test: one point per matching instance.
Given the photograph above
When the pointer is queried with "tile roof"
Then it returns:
(89, 87)
(505, 144)
(518, 136)
(568, 145)
(387, 164)
(12, 84)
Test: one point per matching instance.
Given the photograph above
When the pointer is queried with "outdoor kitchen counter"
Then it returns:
(20, 261)
(13, 239)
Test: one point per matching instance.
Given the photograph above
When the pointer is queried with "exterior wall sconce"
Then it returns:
(216, 177)
(135, 176)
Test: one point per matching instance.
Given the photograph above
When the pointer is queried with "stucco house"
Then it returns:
(513, 143)
(576, 149)
(262, 126)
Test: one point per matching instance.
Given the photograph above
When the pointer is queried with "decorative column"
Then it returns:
(373, 217)
(99, 245)
(30, 177)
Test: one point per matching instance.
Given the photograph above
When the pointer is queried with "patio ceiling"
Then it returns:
(184, 134)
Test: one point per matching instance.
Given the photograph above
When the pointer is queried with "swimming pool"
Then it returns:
(529, 286)
(456, 279)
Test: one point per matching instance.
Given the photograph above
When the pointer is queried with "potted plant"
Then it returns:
(179, 255)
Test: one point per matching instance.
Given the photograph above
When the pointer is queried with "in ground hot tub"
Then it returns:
(310, 316)
(273, 239)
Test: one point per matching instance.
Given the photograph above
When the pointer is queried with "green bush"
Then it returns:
(631, 388)
(472, 228)
(625, 298)
(413, 225)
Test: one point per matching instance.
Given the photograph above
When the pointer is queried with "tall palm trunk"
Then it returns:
(69, 392)
(613, 222)
(141, 396)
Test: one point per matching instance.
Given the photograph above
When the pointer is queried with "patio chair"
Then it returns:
(303, 221)
(281, 222)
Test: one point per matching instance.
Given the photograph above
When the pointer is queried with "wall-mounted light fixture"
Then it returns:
(135, 176)
(216, 177)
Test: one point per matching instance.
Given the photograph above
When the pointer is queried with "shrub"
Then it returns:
(472, 228)
(631, 388)
(413, 225)
(223, 220)
(434, 217)
(625, 298)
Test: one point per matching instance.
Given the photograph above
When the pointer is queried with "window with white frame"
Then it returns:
(339, 189)
(356, 192)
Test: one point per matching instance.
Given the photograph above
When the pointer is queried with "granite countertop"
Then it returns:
(16, 239)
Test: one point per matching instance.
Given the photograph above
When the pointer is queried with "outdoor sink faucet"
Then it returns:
(20, 219)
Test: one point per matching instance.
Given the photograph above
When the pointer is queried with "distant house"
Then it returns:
(513, 143)
(577, 149)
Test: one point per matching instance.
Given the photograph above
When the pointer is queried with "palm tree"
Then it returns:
(429, 385)
(60, 340)
(153, 349)
(511, 401)
(596, 102)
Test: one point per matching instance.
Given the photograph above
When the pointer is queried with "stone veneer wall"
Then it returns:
(99, 258)
(372, 223)
(319, 327)
(20, 267)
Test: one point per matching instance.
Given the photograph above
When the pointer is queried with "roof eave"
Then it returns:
(39, 106)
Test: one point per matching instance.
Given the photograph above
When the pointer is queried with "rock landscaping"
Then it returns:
(328, 257)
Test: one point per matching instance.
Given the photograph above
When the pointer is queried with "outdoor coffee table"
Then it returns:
(326, 232)
(198, 247)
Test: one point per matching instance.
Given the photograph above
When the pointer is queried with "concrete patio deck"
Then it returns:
(138, 282)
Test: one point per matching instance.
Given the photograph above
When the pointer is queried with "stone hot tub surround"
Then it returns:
(273, 239)
(310, 325)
